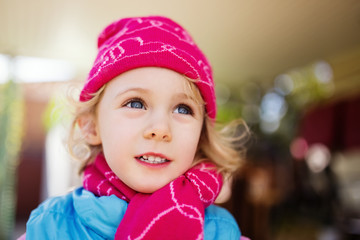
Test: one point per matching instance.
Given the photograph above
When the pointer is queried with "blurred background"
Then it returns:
(290, 69)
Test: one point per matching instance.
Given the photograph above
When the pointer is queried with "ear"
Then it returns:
(89, 130)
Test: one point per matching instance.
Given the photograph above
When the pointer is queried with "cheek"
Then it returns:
(189, 141)
(113, 127)
(115, 136)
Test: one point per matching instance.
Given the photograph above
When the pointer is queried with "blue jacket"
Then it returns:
(82, 215)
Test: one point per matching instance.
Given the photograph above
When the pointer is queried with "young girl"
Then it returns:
(153, 162)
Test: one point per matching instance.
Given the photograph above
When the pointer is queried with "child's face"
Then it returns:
(149, 125)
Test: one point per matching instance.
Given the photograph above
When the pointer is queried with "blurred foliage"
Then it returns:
(11, 132)
(280, 103)
(58, 111)
(273, 110)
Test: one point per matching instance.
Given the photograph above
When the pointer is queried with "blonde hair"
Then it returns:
(222, 145)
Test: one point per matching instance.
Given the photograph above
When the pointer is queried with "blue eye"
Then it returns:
(183, 109)
(136, 103)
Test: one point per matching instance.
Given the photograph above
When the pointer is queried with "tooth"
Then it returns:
(152, 159)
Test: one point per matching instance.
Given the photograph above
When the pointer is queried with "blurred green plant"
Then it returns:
(11, 133)
(274, 109)
(58, 111)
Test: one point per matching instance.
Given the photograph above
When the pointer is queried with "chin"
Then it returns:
(148, 188)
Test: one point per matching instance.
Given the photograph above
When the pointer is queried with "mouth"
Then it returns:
(152, 159)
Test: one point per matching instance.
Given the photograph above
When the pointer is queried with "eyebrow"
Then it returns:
(135, 89)
(184, 96)
(176, 96)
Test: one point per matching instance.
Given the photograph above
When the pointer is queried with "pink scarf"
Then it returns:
(175, 211)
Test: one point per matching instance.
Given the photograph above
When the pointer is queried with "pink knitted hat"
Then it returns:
(149, 42)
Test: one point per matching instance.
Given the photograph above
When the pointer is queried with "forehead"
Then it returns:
(155, 78)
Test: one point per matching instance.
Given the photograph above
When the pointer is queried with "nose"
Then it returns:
(159, 130)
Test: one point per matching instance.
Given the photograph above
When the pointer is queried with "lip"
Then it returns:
(158, 165)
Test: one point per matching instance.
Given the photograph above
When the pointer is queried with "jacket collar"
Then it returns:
(101, 214)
